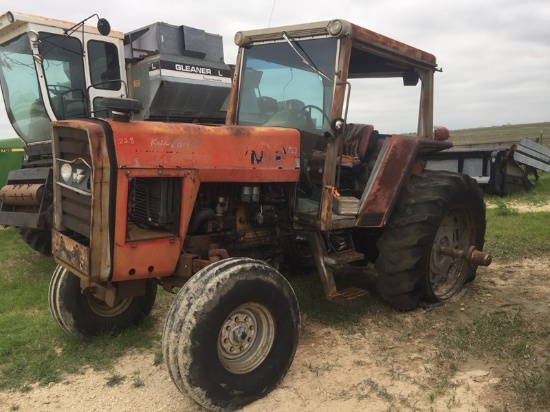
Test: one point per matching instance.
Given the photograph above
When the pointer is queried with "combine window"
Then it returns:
(64, 72)
(21, 91)
(104, 65)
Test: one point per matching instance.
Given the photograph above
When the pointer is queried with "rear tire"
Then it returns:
(435, 209)
(231, 333)
(39, 240)
(81, 314)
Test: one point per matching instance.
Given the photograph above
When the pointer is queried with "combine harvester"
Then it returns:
(55, 70)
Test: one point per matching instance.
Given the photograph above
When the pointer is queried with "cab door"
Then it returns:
(107, 76)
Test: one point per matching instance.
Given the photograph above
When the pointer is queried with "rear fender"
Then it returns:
(400, 157)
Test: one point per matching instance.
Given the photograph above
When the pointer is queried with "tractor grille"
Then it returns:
(76, 211)
(72, 145)
(154, 202)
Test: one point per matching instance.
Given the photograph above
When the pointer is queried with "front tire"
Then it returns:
(81, 314)
(436, 209)
(231, 333)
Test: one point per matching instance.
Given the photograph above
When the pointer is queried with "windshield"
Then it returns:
(21, 92)
(62, 63)
(279, 89)
(64, 71)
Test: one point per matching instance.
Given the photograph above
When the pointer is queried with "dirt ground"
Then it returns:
(386, 362)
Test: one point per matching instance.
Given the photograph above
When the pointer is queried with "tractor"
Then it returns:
(53, 70)
(217, 212)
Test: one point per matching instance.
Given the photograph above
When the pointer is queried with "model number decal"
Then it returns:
(126, 140)
(9, 150)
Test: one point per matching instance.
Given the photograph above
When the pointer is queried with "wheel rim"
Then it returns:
(246, 338)
(447, 273)
(100, 308)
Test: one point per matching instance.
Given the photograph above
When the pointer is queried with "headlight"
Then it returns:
(335, 27)
(239, 38)
(66, 172)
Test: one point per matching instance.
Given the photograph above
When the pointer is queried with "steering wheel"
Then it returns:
(312, 106)
(58, 89)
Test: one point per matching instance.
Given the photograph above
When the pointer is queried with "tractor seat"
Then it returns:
(360, 141)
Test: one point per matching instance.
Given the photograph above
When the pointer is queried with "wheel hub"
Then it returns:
(246, 337)
(447, 273)
(237, 334)
(100, 308)
(439, 261)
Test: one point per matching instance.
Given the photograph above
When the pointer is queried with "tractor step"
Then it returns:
(343, 257)
(348, 295)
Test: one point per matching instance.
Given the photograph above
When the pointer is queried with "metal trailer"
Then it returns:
(498, 170)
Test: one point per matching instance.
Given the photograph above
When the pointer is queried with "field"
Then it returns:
(489, 350)
(505, 135)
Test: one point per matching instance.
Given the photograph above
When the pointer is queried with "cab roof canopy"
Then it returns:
(12, 21)
(373, 54)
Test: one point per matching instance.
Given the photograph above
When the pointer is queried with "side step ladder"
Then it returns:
(341, 258)
(325, 263)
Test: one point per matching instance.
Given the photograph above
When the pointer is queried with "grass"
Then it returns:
(137, 382)
(532, 387)
(495, 334)
(517, 236)
(502, 209)
(32, 347)
(114, 380)
(513, 235)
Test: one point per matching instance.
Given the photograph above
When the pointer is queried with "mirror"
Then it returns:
(410, 78)
(103, 27)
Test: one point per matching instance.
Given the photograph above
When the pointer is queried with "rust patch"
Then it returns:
(74, 254)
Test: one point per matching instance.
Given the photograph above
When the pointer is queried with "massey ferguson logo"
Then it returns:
(78, 175)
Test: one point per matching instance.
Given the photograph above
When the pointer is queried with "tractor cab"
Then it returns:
(301, 77)
(54, 70)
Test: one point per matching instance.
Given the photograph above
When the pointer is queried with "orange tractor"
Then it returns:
(217, 210)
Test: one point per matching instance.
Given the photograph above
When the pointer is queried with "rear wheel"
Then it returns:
(231, 333)
(435, 210)
(82, 314)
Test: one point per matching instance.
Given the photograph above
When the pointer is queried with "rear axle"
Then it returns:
(471, 255)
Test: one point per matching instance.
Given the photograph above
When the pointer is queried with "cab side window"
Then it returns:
(104, 65)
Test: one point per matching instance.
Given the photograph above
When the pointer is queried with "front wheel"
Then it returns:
(82, 314)
(231, 333)
(436, 210)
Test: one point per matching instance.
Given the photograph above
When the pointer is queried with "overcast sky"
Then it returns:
(495, 54)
